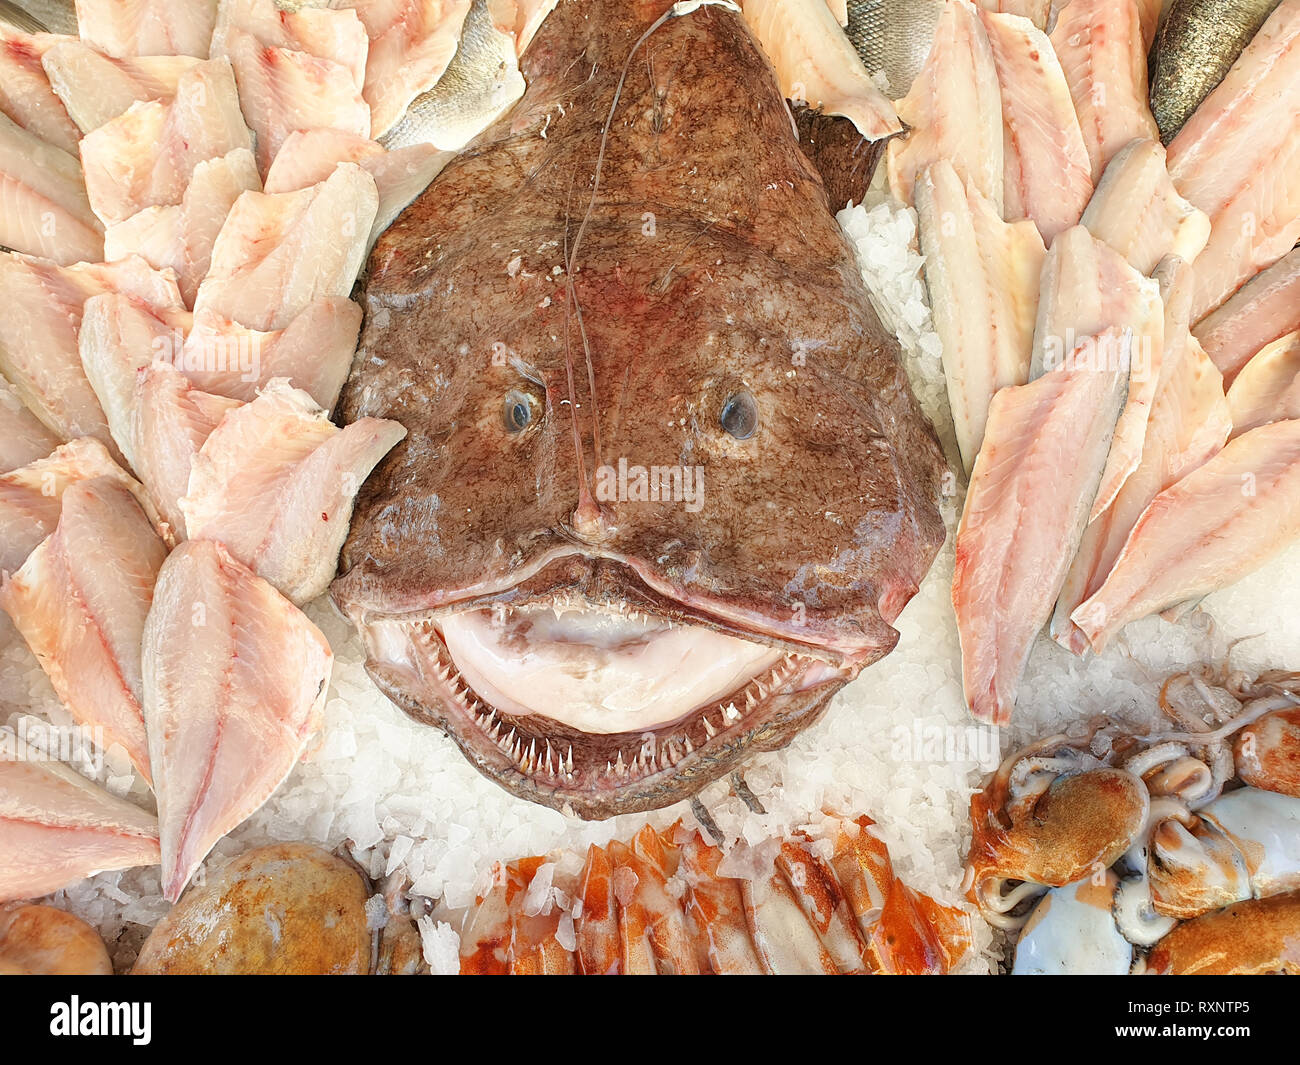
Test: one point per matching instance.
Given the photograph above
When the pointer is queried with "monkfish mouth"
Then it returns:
(599, 708)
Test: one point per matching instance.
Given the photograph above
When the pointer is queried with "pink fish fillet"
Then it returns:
(1087, 288)
(278, 253)
(23, 438)
(1138, 212)
(235, 678)
(275, 483)
(1048, 176)
(44, 209)
(31, 496)
(96, 88)
(1220, 522)
(314, 352)
(1238, 160)
(1104, 58)
(124, 28)
(1037, 11)
(1030, 493)
(953, 111)
(56, 828)
(982, 275)
(523, 19)
(39, 330)
(1265, 308)
(307, 158)
(80, 602)
(1268, 387)
(146, 156)
(1189, 423)
(336, 34)
(25, 92)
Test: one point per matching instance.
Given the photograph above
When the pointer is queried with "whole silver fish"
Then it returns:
(1197, 44)
(893, 38)
(40, 16)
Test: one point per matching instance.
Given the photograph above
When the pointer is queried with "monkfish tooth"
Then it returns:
(25, 92)
(56, 828)
(23, 438)
(80, 602)
(282, 447)
(235, 678)
(44, 210)
(1218, 523)
(96, 88)
(147, 27)
(1265, 308)
(1268, 387)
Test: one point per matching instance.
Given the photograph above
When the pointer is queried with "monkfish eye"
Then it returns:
(739, 415)
(518, 411)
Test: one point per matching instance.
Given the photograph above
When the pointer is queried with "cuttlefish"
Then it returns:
(665, 488)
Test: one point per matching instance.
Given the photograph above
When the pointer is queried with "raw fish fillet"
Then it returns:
(982, 274)
(146, 156)
(1265, 308)
(283, 90)
(38, 333)
(954, 111)
(96, 88)
(1238, 160)
(56, 828)
(1219, 523)
(43, 205)
(308, 158)
(31, 496)
(314, 352)
(80, 602)
(154, 234)
(1030, 494)
(235, 678)
(1047, 173)
(1101, 49)
(124, 28)
(1189, 423)
(23, 438)
(1087, 288)
(278, 253)
(411, 44)
(275, 483)
(1037, 11)
(336, 34)
(1138, 212)
(1268, 387)
(816, 63)
(25, 93)
(522, 19)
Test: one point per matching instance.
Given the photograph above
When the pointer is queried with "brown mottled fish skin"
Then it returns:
(812, 534)
(1197, 43)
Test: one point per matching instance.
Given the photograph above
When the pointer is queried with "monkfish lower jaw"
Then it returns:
(554, 737)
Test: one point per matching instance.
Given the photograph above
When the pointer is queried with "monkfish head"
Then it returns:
(664, 488)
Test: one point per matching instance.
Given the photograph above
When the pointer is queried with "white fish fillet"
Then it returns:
(1030, 494)
(1037, 11)
(56, 828)
(39, 329)
(278, 253)
(523, 20)
(235, 678)
(23, 438)
(1238, 160)
(275, 483)
(1104, 58)
(954, 111)
(309, 157)
(1047, 173)
(1138, 212)
(1214, 526)
(283, 90)
(96, 88)
(333, 33)
(31, 496)
(815, 62)
(44, 209)
(146, 156)
(154, 234)
(1268, 387)
(1265, 308)
(313, 352)
(80, 602)
(124, 28)
(1189, 423)
(25, 92)
(982, 274)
